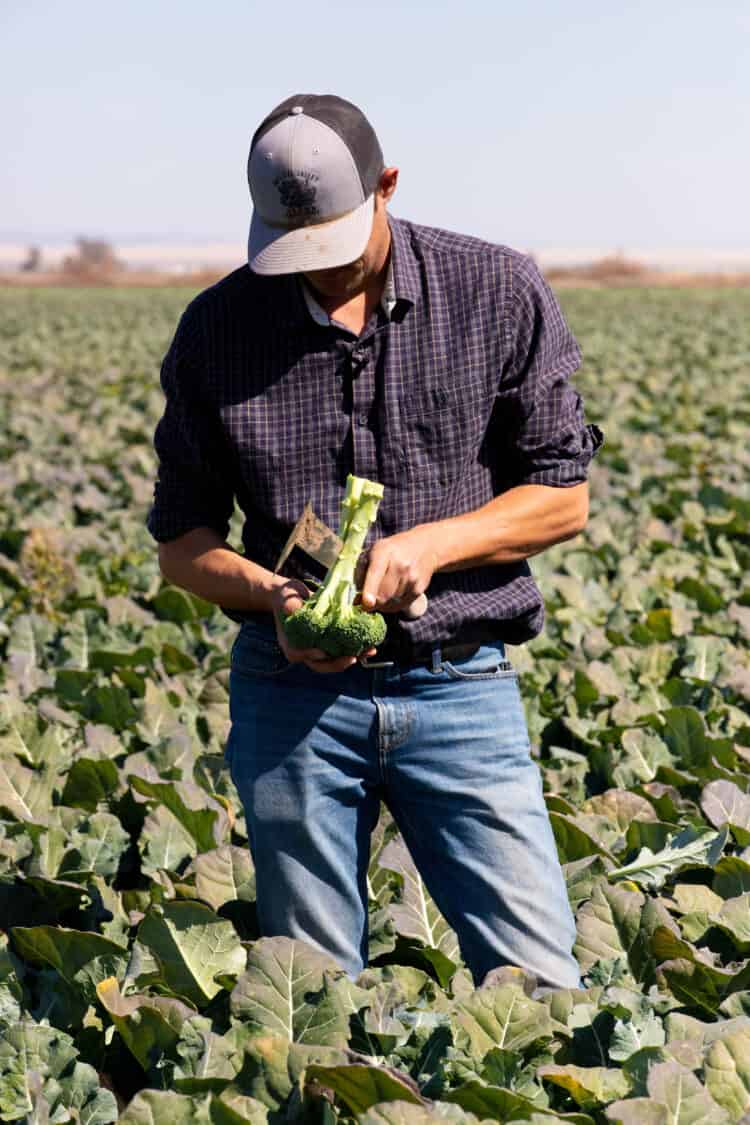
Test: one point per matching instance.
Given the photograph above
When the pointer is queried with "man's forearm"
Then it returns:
(203, 563)
(519, 523)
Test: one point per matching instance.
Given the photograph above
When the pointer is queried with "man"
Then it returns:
(438, 365)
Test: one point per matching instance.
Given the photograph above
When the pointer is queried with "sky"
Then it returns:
(537, 123)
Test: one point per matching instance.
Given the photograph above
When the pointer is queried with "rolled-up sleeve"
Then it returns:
(193, 486)
(552, 443)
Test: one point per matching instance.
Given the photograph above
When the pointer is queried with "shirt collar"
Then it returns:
(407, 276)
(320, 316)
(401, 283)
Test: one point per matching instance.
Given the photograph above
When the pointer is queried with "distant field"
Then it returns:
(129, 951)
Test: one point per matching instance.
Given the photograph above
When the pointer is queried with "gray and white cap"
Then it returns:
(313, 168)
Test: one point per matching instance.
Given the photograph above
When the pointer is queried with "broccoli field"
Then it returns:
(133, 983)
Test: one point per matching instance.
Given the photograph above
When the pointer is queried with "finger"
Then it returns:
(390, 590)
(395, 605)
(376, 572)
(339, 664)
(361, 568)
(302, 655)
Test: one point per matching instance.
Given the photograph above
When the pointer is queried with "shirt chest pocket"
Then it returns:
(443, 428)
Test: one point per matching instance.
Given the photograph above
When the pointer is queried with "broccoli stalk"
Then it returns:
(329, 619)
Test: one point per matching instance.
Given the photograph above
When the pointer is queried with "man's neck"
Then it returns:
(355, 310)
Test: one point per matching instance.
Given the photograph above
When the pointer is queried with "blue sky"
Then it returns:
(534, 123)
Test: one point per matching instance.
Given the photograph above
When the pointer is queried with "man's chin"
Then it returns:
(337, 282)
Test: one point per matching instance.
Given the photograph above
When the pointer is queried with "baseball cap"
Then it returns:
(313, 168)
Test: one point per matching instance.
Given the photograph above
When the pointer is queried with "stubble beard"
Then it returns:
(342, 281)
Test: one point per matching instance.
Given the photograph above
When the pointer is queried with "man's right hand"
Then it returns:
(287, 597)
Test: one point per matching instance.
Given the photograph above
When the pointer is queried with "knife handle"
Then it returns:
(417, 608)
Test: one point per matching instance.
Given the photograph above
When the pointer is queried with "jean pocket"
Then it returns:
(256, 652)
(486, 664)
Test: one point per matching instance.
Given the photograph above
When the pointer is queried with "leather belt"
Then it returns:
(390, 653)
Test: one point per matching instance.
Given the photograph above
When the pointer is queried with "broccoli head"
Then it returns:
(329, 619)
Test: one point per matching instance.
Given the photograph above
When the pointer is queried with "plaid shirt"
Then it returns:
(455, 394)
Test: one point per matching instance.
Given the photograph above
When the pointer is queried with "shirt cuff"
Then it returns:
(564, 467)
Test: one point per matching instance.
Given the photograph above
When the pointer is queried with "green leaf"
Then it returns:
(154, 1107)
(407, 1113)
(727, 1072)
(731, 876)
(581, 876)
(65, 950)
(283, 993)
(416, 916)
(684, 731)
(224, 874)
(26, 794)
(643, 1030)
(707, 599)
(620, 807)
(687, 1101)
(192, 945)
(81, 1092)
(589, 1086)
(699, 985)
(638, 1111)
(643, 752)
(109, 704)
(29, 1052)
(692, 847)
(693, 897)
(608, 924)
(361, 1086)
(149, 1025)
(237, 1109)
(502, 1016)
(174, 604)
(498, 1104)
(573, 841)
(724, 803)
(203, 817)
(88, 782)
(378, 877)
(275, 1067)
(97, 846)
(163, 842)
(703, 658)
(208, 1061)
(734, 920)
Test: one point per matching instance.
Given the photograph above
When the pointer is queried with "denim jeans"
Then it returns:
(313, 754)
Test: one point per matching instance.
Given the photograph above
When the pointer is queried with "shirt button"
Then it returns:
(359, 356)
(362, 419)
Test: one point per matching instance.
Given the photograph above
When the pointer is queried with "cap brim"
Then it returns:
(271, 250)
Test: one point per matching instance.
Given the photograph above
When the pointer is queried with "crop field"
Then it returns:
(133, 982)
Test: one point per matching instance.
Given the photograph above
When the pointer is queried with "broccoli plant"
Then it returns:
(329, 619)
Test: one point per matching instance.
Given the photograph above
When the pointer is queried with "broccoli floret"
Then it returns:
(329, 619)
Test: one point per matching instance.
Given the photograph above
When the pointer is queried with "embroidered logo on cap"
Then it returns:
(297, 191)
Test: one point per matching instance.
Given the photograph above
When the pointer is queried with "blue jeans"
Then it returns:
(313, 754)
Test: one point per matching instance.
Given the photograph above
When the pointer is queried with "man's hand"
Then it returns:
(398, 569)
(286, 599)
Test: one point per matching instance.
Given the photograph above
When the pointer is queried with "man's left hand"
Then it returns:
(399, 569)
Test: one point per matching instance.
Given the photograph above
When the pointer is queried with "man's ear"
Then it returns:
(387, 184)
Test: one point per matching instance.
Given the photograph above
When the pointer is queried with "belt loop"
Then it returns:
(437, 663)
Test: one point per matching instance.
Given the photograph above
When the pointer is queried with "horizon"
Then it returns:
(185, 256)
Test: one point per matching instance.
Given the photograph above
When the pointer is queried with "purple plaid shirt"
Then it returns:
(458, 393)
